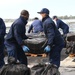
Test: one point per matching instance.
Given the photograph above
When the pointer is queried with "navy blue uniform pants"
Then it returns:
(54, 56)
(17, 52)
(1, 55)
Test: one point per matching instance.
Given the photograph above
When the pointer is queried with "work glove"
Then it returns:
(47, 49)
(25, 48)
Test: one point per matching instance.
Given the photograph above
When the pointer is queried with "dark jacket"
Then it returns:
(53, 35)
(63, 26)
(17, 31)
(2, 29)
(36, 26)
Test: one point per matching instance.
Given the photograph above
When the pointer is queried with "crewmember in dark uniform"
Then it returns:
(14, 39)
(55, 41)
(2, 34)
(60, 24)
(36, 26)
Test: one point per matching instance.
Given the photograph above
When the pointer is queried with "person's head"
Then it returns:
(44, 12)
(55, 18)
(25, 14)
(36, 18)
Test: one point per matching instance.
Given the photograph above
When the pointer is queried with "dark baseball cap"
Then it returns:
(44, 10)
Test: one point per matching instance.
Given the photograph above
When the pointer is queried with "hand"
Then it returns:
(25, 48)
(47, 49)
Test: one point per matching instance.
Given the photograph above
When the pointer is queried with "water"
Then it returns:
(70, 22)
(8, 25)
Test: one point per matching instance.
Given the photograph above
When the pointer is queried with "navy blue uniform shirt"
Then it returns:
(17, 31)
(53, 35)
(36, 26)
(2, 29)
(63, 26)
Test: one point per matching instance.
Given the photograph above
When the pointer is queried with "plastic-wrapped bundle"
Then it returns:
(36, 43)
(14, 68)
(70, 43)
(44, 69)
(71, 37)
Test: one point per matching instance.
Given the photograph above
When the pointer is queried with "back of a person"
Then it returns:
(10, 35)
(2, 29)
(2, 34)
(58, 38)
(60, 24)
(37, 26)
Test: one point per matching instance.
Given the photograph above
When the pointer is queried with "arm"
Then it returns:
(30, 28)
(64, 27)
(2, 28)
(18, 31)
(66, 30)
(49, 32)
(41, 26)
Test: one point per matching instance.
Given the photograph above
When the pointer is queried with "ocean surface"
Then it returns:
(70, 22)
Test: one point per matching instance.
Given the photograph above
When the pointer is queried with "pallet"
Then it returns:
(72, 55)
(36, 55)
(68, 62)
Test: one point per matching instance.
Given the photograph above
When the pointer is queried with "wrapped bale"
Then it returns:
(14, 68)
(71, 37)
(36, 35)
(44, 69)
(36, 43)
(70, 43)
(70, 47)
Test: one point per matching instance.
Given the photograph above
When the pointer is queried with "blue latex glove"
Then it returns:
(47, 49)
(25, 48)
